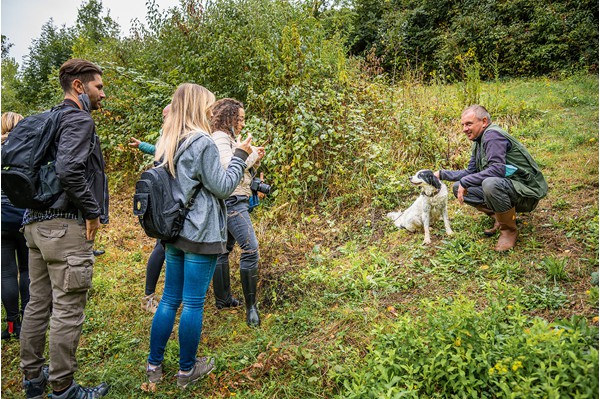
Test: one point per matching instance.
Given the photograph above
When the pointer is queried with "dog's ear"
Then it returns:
(429, 178)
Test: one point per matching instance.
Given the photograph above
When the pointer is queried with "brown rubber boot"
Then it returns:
(490, 213)
(508, 230)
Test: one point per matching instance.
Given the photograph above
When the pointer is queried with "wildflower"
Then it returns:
(457, 342)
(484, 267)
(595, 319)
(517, 365)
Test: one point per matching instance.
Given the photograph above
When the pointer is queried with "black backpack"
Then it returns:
(159, 203)
(28, 161)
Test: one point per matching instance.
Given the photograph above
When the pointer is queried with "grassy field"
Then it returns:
(353, 307)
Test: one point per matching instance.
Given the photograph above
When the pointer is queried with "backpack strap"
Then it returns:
(182, 147)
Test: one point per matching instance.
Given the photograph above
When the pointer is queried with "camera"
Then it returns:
(260, 186)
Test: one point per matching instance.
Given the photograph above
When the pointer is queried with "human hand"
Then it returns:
(260, 151)
(135, 142)
(460, 195)
(437, 174)
(245, 145)
(91, 227)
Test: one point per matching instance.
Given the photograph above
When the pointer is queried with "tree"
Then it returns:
(92, 25)
(46, 54)
(10, 80)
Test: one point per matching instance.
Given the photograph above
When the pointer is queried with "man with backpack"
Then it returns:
(60, 240)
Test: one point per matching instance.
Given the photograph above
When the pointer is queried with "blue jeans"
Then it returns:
(187, 278)
(240, 230)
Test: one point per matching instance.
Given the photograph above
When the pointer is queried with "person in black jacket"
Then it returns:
(15, 273)
(60, 241)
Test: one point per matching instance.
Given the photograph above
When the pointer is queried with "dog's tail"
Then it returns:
(394, 215)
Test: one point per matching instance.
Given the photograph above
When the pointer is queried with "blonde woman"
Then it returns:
(9, 120)
(15, 272)
(187, 150)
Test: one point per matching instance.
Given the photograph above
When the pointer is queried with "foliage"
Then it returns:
(555, 268)
(510, 38)
(10, 81)
(47, 53)
(54, 46)
(337, 280)
(456, 350)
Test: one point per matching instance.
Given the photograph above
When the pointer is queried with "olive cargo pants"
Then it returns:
(60, 271)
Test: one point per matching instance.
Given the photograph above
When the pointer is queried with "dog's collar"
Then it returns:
(430, 195)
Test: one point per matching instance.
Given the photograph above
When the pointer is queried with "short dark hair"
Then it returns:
(225, 113)
(77, 68)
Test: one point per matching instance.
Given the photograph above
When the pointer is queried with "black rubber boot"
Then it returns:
(222, 287)
(249, 281)
(6, 334)
(13, 329)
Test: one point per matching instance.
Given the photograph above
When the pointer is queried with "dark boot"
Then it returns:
(508, 230)
(10, 330)
(17, 333)
(222, 287)
(249, 281)
(490, 213)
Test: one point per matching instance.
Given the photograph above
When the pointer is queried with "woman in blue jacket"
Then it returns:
(191, 257)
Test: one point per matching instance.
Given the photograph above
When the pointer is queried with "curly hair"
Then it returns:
(224, 114)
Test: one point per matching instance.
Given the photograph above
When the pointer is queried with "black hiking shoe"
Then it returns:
(76, 391)
(36, 387)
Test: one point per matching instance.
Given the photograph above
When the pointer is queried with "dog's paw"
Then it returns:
(426, 241)
(449, 232)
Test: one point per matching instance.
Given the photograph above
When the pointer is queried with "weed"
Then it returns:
(555, 268)
(460, 255)
(506, 270)
(545, 298)
(454, 350)
(561, 203)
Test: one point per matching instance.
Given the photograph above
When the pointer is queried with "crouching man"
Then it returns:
(502, 178)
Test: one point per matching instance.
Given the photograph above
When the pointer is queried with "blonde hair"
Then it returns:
(9, 121)
(189, 114)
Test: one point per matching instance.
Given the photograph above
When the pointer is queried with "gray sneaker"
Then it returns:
(150, 303)
(36, 387)
(76, 391)
(202, 367)
(154, 375)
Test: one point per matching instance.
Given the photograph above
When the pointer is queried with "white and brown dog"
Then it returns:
(429, 207)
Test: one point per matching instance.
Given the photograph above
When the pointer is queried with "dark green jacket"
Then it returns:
(527, 179)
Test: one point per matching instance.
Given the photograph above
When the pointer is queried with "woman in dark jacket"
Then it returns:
(15, 273)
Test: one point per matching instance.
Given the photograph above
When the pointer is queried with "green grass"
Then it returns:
(353, 307)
